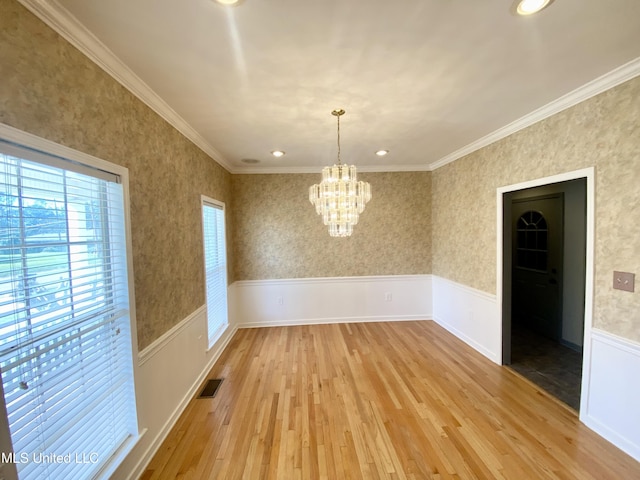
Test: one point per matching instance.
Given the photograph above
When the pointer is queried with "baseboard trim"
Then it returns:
(334, 320)
(469, 314)
(573, 346)
(620, 441)
(153, 448)
(468, 340)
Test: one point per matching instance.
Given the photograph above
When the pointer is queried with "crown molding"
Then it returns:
(601, 84)
(318, 169)
(67, 26)
(61, 21)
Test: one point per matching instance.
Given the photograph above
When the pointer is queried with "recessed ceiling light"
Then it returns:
(528, 7)
(251, 161)
(228, 2)
(277, 153)
(382, 153)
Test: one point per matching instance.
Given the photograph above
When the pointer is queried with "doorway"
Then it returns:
(544, 269)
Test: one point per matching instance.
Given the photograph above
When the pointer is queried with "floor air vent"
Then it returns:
(211, 388)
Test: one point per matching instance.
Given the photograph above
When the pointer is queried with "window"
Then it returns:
(215, 258)
(65, 328)
(531, 241)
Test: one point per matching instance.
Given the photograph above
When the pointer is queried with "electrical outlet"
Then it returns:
(388, 297)
(624, 281)
(280, 301)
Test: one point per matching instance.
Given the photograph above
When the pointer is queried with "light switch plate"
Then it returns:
(624, 281)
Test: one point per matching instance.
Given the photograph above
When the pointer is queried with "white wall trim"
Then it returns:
(470, 290)
(66, 25)
(589, 175)
(30, 143)
(329, 280)
(149, 351)
(160, 434)
(611, 410)
(307, 301)
(624, 344)
(601, 84)
(469, 314)
(61, 21)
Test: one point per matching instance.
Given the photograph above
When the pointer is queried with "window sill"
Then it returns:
(116, 460)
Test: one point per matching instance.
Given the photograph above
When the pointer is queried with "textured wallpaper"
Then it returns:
(604, 132)
(447, 217)
(50, 89)
(279, 235)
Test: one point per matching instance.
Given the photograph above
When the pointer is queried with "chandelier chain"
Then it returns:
(339, 161)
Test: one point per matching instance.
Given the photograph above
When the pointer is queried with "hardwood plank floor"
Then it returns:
(403, 400)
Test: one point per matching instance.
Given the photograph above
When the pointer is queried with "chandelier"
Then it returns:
(340, 198)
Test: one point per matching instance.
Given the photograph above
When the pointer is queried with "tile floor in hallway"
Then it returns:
(549, 364)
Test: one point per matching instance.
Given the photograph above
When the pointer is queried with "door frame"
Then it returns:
(589, 175)
(507, 276)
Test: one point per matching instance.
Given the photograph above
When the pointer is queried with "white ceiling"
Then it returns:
(428, 80)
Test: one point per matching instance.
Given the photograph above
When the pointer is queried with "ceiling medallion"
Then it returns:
(340, 198)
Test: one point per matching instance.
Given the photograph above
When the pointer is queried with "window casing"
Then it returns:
(65, 324)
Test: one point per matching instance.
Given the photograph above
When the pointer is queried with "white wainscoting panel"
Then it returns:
(170, 371)
(613, 396)
(470, 314)
(261, 303)
(168, 375)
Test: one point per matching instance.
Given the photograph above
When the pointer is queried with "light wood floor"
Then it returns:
(377, 400)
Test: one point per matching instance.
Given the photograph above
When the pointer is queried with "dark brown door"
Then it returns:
(537, 226)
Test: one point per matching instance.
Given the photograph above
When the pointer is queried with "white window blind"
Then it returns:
(65, 336)
(215, 254)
